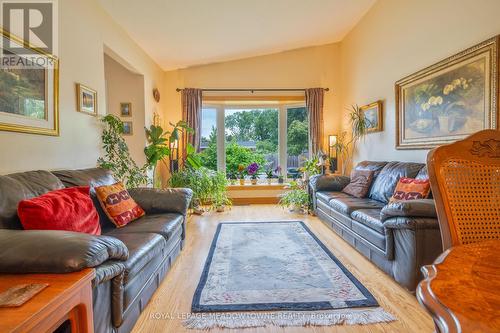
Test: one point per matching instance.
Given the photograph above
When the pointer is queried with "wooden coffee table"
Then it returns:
(68, 297)
(461, 290)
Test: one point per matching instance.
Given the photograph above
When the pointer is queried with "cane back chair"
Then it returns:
(465, 182)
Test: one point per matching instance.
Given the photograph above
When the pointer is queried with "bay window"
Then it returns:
(271, 135)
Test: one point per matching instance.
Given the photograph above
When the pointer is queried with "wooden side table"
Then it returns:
(461, 290)
(68, 297)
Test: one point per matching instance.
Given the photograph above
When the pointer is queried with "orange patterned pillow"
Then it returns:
(411, 189)
(118, 205)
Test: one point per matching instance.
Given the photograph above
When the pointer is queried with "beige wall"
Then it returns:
(84, 31)
(123, 86)
(303, 68)
(397, 38)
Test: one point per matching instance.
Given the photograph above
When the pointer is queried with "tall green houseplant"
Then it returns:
(347, 142)
(159, 146)
(117, 156)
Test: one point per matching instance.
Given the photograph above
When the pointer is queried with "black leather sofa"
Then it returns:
(400, 237)
(130, 262)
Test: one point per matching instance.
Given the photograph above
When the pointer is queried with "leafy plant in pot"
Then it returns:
(241, 173)
(296, 198)
(117, 157)
(160, 146)
(253, 172)
(269, 174)
(347, 143)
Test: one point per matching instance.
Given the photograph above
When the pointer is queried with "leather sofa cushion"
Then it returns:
(19, 186)
(142, 248)
(163, 224)
(383, 186)
(326, 196)
(346, 205)
(85, 177)
(376, 167)
(369, 218)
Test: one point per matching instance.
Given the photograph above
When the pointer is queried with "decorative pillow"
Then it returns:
(69, 209)
(118, 204)
(360, 183)
(411, 189)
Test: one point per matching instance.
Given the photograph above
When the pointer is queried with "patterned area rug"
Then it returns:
(283, 274)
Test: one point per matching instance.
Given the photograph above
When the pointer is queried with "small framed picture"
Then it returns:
(126, 109)
(86, 100)
(373, 116)
(127, 128)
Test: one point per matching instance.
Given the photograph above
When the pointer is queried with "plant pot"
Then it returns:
(220, 209)
(242, 182)
(232, 181)
(281, 180)
(198, 210)
(269, 181)
(253, 181)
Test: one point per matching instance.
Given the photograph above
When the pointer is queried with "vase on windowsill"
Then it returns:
(242, 181)
(269, 181)
(253, 181)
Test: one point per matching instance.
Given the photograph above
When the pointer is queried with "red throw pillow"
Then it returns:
(69, 209)
(118, 204)
(411, 189)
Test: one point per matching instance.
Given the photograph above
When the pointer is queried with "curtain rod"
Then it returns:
(254, 90)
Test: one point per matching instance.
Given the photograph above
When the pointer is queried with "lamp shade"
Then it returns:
(332, 140)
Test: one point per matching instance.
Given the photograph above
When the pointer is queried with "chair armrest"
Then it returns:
(409, 208)
(55, 251)
(328, 182)
(171, 200)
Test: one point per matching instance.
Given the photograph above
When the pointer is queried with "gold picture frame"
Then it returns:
(449, 100)
(126, 109)
(86, 100)
(25, 122)
(374, 116)
(128, 128)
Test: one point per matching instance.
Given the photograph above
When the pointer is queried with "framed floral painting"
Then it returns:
(373, 116)
(449, 100)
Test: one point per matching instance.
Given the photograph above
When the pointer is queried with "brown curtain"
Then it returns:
(314, 104)
(191, 114)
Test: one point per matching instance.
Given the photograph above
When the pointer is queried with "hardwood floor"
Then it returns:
(172, 301)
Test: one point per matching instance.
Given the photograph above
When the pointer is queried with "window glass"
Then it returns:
(208, 144)
(251, 135)
(297, 125)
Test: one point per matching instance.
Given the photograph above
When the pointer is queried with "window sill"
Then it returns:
(257, 187)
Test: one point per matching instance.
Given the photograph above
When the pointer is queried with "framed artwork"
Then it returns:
(127, 128)
(86, 99)
(29, 93)
(373, 116)
(449, 100)
(126, 109)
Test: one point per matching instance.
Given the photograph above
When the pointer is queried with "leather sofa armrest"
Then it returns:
(328, 182)
(55, 251)
(157, 201)
(409, 208)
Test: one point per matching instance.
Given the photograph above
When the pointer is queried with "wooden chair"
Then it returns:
(465, 182)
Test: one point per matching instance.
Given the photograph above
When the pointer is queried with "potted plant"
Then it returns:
(219, 198)
(232, 176)
(296, 199)
(310, 168)
(346, 145)
(281, 179)
(253, 172)
(241, 174)
(269, 175)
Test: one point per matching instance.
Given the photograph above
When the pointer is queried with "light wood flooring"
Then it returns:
(172, 300)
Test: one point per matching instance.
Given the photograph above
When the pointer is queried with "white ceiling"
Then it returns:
(184, 33)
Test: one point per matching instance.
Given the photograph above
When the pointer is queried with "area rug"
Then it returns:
(277, 273)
